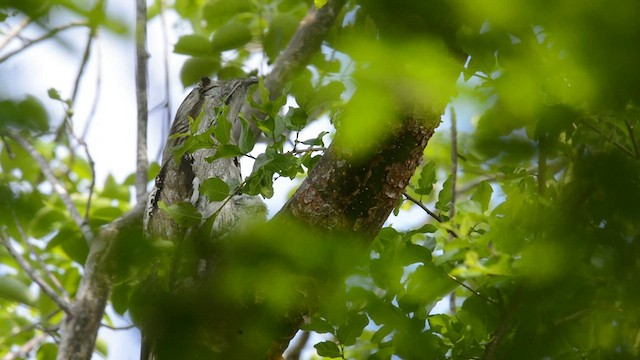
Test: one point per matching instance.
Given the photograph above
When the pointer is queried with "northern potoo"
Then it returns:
(179, 181)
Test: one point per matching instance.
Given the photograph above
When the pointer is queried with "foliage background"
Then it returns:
(536, 243)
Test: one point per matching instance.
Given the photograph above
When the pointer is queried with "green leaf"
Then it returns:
(102, 347)
(223, 127)
(445, 195)
(54, 94)
(281, 29)
(48, 351)
(232, 35)
(183, 213)
(215, 189)
(197, 67)
(320, 3)
(348, 333)
(13, 289)
(247, 139)
(113, 190)
(379, 335)
(194, 45)
(319, 325)
(482, 195)
(217, 12)
(427, 179)
(225, 151)
(328, 349)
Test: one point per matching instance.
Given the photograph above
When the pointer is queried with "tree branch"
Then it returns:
(46, 36)
(305, 42)
(15, 31)
(59, 189)
(141, 98)
(80, 329)
(24, 264)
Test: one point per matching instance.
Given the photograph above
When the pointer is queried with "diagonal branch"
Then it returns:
(40, 261)
(84, 227)
(15, 31)
(24, 264)
(46, 36)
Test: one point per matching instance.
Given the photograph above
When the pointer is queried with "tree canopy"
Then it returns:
(508, 232)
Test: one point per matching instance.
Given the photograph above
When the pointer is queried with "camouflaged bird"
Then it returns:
(177, 281)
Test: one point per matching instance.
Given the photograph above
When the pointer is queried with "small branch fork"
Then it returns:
(46, 36)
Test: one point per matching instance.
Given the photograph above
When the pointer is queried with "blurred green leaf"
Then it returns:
(15, 290)
(196, 68)
(349, 332)
(328, 349)
(482, 195)
(194, 45)
(230, 36)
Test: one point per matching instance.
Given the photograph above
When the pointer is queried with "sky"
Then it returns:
(111, 137)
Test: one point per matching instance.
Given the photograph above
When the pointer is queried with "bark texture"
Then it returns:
(80, 328)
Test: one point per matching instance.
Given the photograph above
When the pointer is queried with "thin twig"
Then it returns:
(615, 143)
(295, 351)
(38, 324)
(165, 58)
(308, 150)
(141, 97)
(461, 283)
(15, 31)
(98, 89)
(632, 135)
(54, 280)
(431, 213)
(117, 328)
(454, 179)
(57, 186)
(46, 36)
(24, 264)
(422, 206)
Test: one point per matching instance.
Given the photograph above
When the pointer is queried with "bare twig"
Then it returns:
(118, 328)
(615, 143)
(165, 58)
(46, 36)
(59, 189)
(24, 264)
(38, 324)
(422, 206)
(54, 280)
(632, 135)
(98, 90)
(86, 54)
(476, 293)
(295, 351)
(307, 150)
(141, 97)
(15, 31)
(25, 349)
